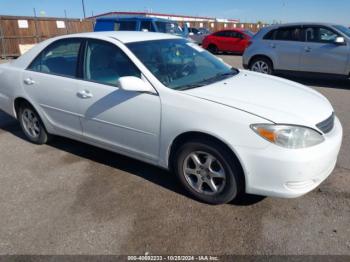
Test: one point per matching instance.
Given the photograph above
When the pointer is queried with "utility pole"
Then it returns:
(66, 21)
(83, 5)
(36, 26)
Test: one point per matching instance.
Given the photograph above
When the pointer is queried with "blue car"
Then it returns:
(137, 23)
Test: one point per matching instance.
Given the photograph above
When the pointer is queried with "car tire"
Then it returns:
(31, 124)
(262, 65)
(213, 49)
(198, 177)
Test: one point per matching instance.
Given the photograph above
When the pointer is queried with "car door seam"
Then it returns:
(61, 110)
(121, 126)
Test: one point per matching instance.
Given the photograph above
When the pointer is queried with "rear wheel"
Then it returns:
(261, 65)
(32, 125)
(207, 172)
(213, 49)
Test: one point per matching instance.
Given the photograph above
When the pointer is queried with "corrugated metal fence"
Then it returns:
(17, 32)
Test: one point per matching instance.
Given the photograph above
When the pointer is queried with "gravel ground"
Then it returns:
(70, 198)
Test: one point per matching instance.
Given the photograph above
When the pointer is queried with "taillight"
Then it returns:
(249, 43)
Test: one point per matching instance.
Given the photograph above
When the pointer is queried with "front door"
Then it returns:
(128, 122)
(320, 52)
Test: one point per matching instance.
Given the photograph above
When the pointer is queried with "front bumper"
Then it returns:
(288, 173)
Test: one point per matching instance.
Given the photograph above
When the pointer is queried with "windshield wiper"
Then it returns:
(190, 86)
(210, 80)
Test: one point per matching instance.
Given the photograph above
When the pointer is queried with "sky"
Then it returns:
(335, 11)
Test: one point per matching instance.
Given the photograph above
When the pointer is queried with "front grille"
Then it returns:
(327, 125)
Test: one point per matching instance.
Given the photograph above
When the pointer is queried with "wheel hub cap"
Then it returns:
(204, 173)
(30, 123)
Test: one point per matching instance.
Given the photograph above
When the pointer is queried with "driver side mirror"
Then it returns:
(133, 83)
(340, 40)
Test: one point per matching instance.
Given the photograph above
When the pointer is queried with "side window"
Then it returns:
(60, 58)
(222, 34)
(270, 35)
(125, 26)
(239, 35)
(320, 35)
(233, 34)
(147, 26)
(105, 63)
(288, 34)
(162, 27)
(195, 31)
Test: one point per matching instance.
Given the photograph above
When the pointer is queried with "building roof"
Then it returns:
(187, 18)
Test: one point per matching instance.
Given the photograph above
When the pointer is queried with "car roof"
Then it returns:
(138, 18)
(124, 36)
(241, 30)
(301, 24)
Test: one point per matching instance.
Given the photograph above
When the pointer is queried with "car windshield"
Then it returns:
(169, 28)
(343, 29)
(181, 65)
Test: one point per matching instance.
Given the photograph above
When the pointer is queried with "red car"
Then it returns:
(233, 40)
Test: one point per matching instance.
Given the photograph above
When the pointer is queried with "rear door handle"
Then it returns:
(29, 81)
(272, 45)
(85, 94)
(307, 49)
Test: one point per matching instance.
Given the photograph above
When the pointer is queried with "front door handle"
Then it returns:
(29, 81)
(85, 94)
(307, 49)
(272, 45)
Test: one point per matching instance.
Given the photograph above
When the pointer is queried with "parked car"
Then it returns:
(204, 31)
(164, 100)
(197, 35)
(140, 23)
(303, 47)
(235, 41)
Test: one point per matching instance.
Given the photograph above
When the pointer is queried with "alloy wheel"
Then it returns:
(204, 173)
(261, 67)
(30, 123)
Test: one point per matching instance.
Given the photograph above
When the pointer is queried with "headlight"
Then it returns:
(289, 136)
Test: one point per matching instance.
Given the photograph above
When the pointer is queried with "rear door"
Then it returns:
(287, 45)
(232, 41)
(321, 54)
(222, 40)
(51, 82)
(240, 42)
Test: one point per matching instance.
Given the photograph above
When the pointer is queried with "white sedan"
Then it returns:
(163, 100)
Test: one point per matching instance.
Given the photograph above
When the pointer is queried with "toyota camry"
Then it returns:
(163, 100)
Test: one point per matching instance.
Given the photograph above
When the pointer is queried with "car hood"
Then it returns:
(272, 98)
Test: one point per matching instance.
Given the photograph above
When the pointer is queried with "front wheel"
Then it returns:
(261, 65)
(32, 125)
(207, 172)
